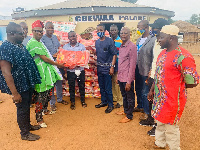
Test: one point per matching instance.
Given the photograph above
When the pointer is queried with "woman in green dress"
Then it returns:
(48, 71)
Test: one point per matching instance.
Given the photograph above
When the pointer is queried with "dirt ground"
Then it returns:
(91, 129)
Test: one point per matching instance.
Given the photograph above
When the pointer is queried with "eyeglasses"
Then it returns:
(25, 29)
(38, 31)
(16, 32)
(123, 32)
(70, 36)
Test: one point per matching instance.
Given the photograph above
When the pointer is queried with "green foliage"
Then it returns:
(195, 19)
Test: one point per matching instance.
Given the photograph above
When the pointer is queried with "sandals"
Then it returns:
(84, 104)
(53, 108)
(64, 102)
(48, 112)
(43, 125)
(73, 107)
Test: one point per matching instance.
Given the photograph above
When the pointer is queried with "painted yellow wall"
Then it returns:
(81, 26)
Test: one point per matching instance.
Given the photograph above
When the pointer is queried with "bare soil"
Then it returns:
(91, 129)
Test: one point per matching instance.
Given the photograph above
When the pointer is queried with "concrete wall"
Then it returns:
(81, 26)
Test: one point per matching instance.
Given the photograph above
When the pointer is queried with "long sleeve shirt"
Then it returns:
(77, 47)
(127, 62)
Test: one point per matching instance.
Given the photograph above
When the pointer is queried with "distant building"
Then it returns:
(189, 32)
(89, 13)
(5, 17)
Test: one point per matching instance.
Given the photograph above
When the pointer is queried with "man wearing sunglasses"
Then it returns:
(48, 72)
(18, 76)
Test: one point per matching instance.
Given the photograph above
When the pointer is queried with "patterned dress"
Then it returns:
(49, 76)
(24, 70)
(173, 70)
(47, 71)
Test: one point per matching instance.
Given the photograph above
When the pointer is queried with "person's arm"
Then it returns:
(188, 69)
(151, 93)
(48, 60)
(132, 62)
(6, 71)
(113, 51)
(113, 63)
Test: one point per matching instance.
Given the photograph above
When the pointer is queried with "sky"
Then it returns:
(183, 8)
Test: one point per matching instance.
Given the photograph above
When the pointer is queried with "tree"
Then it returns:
(195, 19)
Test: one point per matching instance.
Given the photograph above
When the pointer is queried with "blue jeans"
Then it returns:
(59, 94)
(145, 91)
(128, 99)
(105, 84)
(138, 88)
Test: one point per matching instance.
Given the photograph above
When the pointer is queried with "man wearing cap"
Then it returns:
(52, 44)
(145, 46)
(48, 72)
(156, 27)
(175, 71)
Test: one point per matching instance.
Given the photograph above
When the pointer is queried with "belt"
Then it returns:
(104, 64)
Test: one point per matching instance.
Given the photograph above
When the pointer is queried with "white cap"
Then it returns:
(170, 29)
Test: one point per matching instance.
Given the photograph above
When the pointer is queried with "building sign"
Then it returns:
(89, 18)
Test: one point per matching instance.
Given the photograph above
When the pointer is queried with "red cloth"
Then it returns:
(73, 58)
(37, 23)
(173, 70)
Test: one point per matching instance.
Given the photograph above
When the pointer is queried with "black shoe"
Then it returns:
(84, 104)
(138, 109)
(109, 109)
(152, 131)
(73, 106)
(117, 105)
(100, 105)
(147, 122)
(35, 127)
(30, 137)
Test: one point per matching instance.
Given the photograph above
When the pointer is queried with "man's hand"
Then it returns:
(150, 95)
(17, 98)
(72, 67)
(128, 87)
(61, 65)
(55, 55)
(111, 71)
(116, 81)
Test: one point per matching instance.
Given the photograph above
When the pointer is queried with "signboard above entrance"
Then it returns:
(88, 18)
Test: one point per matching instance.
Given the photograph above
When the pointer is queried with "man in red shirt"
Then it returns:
(175, 71)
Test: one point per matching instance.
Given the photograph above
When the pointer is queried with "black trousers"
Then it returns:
(71, 77)
(128, 99)
(23, 112)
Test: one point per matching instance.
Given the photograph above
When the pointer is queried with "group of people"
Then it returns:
(156, 67)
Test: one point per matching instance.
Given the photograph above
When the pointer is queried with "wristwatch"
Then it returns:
(112, 66)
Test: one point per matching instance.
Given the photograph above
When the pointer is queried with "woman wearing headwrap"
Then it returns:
(48, 72)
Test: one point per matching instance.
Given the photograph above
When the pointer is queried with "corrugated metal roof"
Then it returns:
(90, 3)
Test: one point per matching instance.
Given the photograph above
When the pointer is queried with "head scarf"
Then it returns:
(38, 23)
